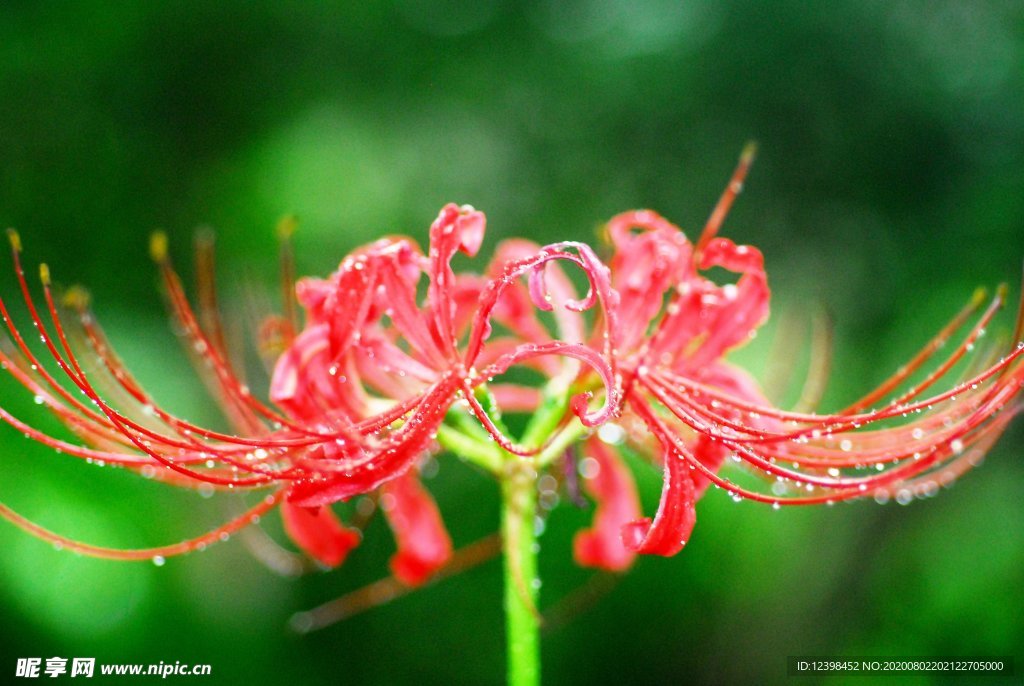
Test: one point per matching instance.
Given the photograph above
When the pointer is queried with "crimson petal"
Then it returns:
(319, 532)
(424, 545)
(612, 488)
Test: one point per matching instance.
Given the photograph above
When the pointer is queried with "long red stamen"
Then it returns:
(725, 202)
(929, 349)
(156, 554)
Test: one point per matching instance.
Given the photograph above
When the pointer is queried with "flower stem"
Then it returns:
(519, 506)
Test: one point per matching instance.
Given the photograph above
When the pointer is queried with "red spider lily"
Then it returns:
(362, 389)
(379, 372)
(677, 325)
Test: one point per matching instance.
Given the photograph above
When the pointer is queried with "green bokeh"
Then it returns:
(889, 185)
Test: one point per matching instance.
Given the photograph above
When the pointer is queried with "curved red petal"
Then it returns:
(319, 533)
(597, 362)
(611, 486)
(455, 229)
(706, 320)
(381, 460)
(672, 525)
(424, 545)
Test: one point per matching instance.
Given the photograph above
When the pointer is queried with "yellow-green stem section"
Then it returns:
(518, 479)
(519, 507)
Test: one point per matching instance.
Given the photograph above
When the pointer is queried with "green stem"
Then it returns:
(519, 507)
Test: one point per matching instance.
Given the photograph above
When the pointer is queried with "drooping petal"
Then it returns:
(424, 545)
(319, 533)
(611, 486)
(670, 530)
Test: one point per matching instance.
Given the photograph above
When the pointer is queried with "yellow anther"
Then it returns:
(15, 239)
(44, 274)
(1001, 292)
(158, 246)
(286, 226)
(77, 298)
(980, 293)
(749, 152)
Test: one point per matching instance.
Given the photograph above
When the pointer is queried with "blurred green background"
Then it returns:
(889, 185)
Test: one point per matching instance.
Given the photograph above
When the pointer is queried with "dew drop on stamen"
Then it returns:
(846, 445)
(881, 497)
(917, 433)
(904, 496)
(159, 560)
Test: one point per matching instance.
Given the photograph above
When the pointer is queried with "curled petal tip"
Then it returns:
(538, 290)
(580, 407)
(15, 239)
(471, 226)
(158, 246)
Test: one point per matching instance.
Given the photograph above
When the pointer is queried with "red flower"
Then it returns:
(382, 369)
(364, 387)
(692, 410)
